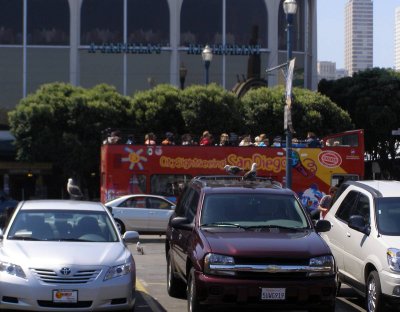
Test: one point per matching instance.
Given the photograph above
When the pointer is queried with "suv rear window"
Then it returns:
(253, 210)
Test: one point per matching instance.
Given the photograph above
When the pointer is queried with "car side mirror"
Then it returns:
(357, 222)
(182, 223)
(131, 237)
(322, 226)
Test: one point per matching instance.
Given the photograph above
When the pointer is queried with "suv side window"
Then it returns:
(362, 208)
(346, 206)
(188, 205)
(192, 206)
(339, 192)
(180, 210)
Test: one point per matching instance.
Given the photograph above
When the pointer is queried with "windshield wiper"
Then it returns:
(24, 238)
(275, 226)
(222, 224)
(64, 239)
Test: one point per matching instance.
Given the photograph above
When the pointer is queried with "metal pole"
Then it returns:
(207, 65)
(24, 43)
(125, 61)
(289, 19)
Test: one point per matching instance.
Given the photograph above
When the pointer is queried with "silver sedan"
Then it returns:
(143, 213)
(65, 255)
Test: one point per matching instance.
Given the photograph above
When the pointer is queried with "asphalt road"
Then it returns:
(152, 288)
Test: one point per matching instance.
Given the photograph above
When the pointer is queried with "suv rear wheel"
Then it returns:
(175, 287)
(374, 293)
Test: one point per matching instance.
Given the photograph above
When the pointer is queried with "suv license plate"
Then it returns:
(65, 295)
(273, 293)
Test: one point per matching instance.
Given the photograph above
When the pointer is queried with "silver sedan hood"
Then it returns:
(49, 253)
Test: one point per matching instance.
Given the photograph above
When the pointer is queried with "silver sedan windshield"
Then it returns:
(62, 225)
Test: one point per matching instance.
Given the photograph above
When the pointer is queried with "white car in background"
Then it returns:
(65, 255)
(143, 213)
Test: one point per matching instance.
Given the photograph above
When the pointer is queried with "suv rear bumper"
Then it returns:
(299, 293)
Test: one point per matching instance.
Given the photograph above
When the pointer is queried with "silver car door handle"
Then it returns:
(348, 234)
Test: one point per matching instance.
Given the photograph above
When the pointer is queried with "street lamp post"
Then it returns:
(182, 75)
(290, 8)
(207, 58)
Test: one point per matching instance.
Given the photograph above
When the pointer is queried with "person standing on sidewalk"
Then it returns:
(325, 203)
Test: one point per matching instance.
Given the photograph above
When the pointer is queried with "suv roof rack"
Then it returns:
(228, 180)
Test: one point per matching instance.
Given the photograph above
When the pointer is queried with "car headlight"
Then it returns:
(219, 264)
(393, 259)
(118, 270)
(12, 269)
(322, 266)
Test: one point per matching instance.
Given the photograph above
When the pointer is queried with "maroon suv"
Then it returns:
(247, 242)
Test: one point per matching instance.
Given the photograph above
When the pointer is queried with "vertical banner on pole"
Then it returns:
(287, 114)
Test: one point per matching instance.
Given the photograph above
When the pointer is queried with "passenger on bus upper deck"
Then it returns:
(169, 139)
(187, 139)
(130, 139)
(233, 139)
(113, 138)
(263, 140)
(277, 142)
(312, 140)
(224, 140)
(206, 139)
(246, 141)
(150, 139)
(297, 143)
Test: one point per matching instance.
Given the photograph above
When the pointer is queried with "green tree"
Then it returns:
(372, 98)
(157, 110)
(62, 124)
(264, 109)
(210, 108)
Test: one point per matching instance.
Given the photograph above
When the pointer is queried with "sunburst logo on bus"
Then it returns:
(134, 158)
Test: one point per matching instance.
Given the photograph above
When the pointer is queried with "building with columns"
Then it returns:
(136, 44)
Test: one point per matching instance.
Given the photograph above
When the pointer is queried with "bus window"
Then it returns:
(345, 140)
(338, 179)
(137, 184)
(168, 184)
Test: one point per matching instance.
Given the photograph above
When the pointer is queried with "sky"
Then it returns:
(330, 14)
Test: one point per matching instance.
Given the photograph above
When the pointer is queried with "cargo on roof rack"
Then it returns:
(228, 180)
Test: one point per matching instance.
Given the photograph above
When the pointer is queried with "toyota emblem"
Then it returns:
(65, 271)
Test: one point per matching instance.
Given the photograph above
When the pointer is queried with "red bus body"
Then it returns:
(159, 169)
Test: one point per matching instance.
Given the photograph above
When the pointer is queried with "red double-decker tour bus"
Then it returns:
(158, 169)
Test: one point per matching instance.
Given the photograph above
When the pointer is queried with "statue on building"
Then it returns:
(254, 61)
(253, 79)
